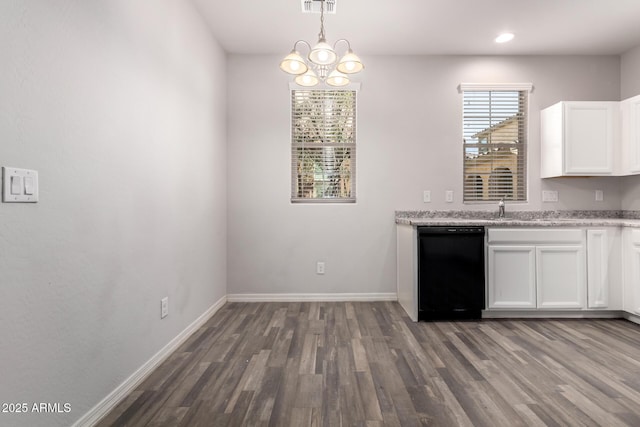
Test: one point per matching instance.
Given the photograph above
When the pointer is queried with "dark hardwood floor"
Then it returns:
(367, 364)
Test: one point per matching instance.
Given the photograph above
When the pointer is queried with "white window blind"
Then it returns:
(495, 142)
(323, 145)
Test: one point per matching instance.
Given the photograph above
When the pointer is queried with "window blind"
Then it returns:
(323, 145)
(495, 144)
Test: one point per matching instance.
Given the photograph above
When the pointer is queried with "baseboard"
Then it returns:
(390, 296)
(108, 403)
(552, 314)
(632, 317)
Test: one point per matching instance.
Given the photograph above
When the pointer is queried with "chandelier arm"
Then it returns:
(342, 40)
(302, 41)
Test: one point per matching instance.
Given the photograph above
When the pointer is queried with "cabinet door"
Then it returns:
(512, 281)
(597, 269)
(632, 278)
(560, 274)
(588, 138)
(630, 118)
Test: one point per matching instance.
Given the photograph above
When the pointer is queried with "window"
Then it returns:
(475, 185)
(494, 129)
(323, 145)
(501, 184)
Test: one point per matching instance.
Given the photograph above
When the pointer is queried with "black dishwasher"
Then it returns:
(451, 279)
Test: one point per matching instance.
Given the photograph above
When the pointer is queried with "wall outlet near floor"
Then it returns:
(164, 307)
(549, 196)
(448, 196)
(320, 267)
(599, 195)
(426, 196)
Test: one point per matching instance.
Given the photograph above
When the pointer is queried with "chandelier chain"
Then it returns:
(321, 35)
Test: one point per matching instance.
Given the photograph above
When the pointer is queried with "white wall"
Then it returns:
(630, 73)
(409, 133)
(630, 86)
(120, 106)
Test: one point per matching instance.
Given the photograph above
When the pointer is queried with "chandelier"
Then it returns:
(322, 61)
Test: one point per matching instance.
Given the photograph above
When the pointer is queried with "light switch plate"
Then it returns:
(426, 196)
(549, 196)
(19, 185)
(448, 196)
(164, 307)
(599, 195)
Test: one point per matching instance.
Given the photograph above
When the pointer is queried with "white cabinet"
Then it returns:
(630, 135)
(632, 271)
(407, 269)
(604, 268)
(511, 276)
(577, 138)
(560, 276)
(536, 268)
(597, 269)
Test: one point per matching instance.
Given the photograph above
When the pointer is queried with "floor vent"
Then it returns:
(313, 6)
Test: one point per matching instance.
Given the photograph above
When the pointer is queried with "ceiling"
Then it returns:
(431, 27)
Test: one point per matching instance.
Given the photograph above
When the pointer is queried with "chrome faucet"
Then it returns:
(501, 208)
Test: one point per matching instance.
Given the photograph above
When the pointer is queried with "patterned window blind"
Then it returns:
(323, 145)
(494, 128)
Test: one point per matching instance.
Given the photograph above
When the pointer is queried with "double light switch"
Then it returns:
(19, 185)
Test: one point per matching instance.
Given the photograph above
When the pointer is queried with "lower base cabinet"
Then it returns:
(560, 277)
(536, 269)
(529, 269)
(603, 261)
(632, 271)
(511, 276)
(563, 269)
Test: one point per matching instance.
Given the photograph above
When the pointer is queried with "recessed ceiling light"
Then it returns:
(504, 37)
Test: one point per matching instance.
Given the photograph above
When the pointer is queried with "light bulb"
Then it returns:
(336, 78)
(323, 55)
(295, 66)
(307, 79)
(504, 38)
(350, 63)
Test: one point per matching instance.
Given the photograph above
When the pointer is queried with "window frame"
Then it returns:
(470, 190)
(296, 145)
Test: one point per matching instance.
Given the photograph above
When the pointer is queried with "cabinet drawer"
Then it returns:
(534, 235)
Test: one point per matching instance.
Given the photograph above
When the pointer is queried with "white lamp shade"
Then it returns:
(293, 64)
(350, 63)
(322, 53)
(336, 78)
(307, 79)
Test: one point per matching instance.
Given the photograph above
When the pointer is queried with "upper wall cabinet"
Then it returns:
(630, 136)
(578, 138)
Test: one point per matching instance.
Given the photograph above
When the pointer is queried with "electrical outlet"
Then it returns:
(164, 307)
(549, 196)
(448, 196)
(599, 195)
(320, 267)
(426, 196)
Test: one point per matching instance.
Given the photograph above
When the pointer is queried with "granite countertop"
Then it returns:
(521, 218)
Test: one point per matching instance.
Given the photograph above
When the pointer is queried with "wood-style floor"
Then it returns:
(367, 364)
